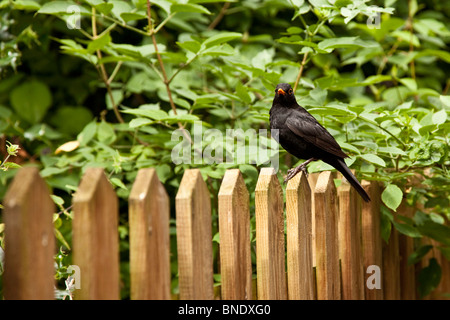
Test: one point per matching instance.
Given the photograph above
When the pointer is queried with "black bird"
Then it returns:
(300, 134)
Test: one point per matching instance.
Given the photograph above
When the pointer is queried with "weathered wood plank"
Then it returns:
(350, 250)
(149, 238)
(372, 242)
(95, 237)
(29, 239)
(194, 237)
(270, 258)
(234, 229)
(326, 242)
(300, 273)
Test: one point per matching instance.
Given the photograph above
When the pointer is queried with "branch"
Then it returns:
(219, 16)
(163, 70)
(300, 71)
(103, 70)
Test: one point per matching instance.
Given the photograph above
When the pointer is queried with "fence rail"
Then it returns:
(320, 243)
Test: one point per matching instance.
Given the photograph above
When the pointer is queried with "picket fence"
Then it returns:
(320, 243)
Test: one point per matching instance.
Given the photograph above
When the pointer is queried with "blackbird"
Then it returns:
(300, 134)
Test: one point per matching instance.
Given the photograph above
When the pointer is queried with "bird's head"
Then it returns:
(284, 93)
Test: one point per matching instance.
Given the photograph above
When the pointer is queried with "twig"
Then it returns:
(163, 70)
(103, 70)
(300, 71)
(219, 16)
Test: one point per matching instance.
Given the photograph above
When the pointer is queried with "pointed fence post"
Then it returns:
(234, 229)
(350, 250)
(327, 249)
(300, 271)
(372, 242)
(149, 238)
(270, 258)
(194, 237)
(95, 237)
(30, 243)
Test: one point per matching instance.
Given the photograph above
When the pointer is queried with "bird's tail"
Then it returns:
(340, 165)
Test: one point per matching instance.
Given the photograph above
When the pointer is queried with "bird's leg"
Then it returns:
(293, 172)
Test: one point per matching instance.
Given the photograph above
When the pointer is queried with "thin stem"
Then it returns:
(115, 71)
(219, 16)
(181, 68)
(163, 70)
(300, 71)
(158, 56)
(103, 70)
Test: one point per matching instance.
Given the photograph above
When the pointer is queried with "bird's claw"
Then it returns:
(293, 172)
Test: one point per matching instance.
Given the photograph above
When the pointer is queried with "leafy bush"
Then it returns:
(95, 83)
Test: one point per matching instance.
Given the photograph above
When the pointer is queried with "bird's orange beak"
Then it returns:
(281, 91)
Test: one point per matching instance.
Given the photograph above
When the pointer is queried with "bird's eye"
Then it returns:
(290, 91)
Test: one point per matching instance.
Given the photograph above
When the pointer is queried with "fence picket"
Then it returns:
(371, 242)
(391, 267)
(350, 243)
(95, 237)
(406, 248)
(270, 260)
(234, 229)
(195, 261)
(300, 271)
(327, 249)
(29, 239)
(149, 238)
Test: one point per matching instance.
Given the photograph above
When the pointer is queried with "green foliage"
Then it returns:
(116, 89)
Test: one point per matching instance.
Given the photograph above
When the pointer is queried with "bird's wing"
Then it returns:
(306, 127)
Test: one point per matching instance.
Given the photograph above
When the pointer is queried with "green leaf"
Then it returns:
(61, 239)
(407, 230)
(131, 16)
(445, 100)
(26, 5)
(120, 7)
(188, 7)
(221, 38)
(105, 132)
(410, 83)
(435, 230)
(149, 113)
(429, 277)
(242, 93)
(99, 43)
(417, 255)
(31, 100)
(391, 150)
(373, 158)
(345, 42)
(192, 46)
(392, 196)
(79, 118)
(62, 7)
(87, 134)
(118, 183)
(216, 237)
(57, 200)
(439, 117)
(139, 122)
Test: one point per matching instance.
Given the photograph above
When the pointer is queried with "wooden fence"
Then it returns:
(325, 245)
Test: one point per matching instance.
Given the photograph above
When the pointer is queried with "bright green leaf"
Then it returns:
(373, 158)
(392, 196)
(221, 38)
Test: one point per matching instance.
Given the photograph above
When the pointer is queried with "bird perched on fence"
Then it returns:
(300, 134)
